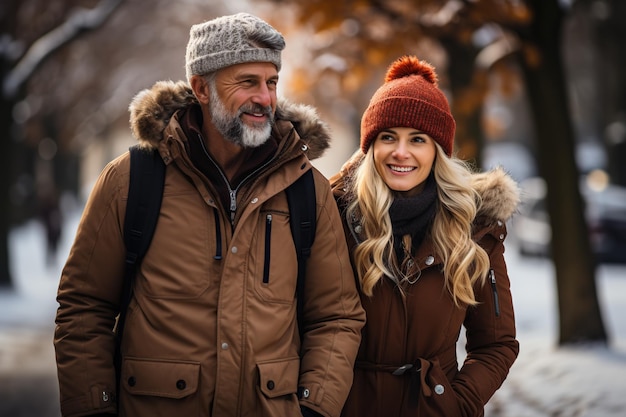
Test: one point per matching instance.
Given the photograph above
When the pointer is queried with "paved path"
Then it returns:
(28, 383)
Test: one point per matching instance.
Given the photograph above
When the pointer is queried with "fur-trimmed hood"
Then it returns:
(500, 194)
(151, 110)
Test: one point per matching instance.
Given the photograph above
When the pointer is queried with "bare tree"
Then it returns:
(17, 66)
(580, 319)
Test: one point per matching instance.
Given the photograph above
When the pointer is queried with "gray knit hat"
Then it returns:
(230, 40)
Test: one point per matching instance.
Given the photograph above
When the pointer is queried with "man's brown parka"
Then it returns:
(206, 334)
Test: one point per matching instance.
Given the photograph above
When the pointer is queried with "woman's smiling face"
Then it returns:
(404, 158)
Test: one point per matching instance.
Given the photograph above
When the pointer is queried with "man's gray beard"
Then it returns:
(234, 129)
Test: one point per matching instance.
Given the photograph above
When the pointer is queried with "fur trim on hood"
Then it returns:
(500, 194)
(151, 110)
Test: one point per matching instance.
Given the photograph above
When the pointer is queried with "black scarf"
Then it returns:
(413, 216)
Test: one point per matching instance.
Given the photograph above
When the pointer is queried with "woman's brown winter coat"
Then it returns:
(407, 364)
(205, 335)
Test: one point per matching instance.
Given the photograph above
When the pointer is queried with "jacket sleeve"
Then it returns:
(88, 297)
(332, 313)
(490, 328)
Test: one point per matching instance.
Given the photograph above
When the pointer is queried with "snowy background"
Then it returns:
(587, 381)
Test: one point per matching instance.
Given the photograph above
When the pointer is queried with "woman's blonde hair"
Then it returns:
(464, 261)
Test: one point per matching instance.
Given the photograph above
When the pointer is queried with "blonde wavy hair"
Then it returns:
(464, 261)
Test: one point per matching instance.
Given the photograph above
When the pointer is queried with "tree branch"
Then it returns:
(79, 22)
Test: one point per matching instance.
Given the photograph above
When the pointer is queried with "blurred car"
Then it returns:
(605, 212)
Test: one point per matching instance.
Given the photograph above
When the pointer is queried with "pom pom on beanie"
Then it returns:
(230, 40)
(410, 97)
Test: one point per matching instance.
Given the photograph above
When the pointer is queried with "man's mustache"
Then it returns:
(257, 109)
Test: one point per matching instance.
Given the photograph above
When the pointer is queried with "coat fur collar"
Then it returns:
(151, 110)
(499, 192)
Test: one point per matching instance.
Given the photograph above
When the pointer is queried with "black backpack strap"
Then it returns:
(302, 212)
(145, 192)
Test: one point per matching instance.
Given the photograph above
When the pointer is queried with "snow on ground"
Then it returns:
(587, 381)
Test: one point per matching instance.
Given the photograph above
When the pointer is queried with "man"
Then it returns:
(212, 328)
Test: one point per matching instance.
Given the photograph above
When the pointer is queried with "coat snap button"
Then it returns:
(181, 384)
(234, 249)
(439, 389)
(303, 392)
(429, 260)
(270, 384)
(132, 381)
(224, 345)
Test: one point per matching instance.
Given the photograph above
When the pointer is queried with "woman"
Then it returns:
(426, 238)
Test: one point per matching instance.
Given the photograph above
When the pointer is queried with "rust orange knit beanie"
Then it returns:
(410, 97)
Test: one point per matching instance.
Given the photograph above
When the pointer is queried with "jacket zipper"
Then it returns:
(232, 193)
(496, 301)
(268, 239)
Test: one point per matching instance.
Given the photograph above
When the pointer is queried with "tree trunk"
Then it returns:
(6, 176)
(468, 92)
(580, 319)
(8, 22)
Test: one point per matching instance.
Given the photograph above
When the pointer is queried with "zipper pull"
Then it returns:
(268, 240)
(496, 301)
(233, 204)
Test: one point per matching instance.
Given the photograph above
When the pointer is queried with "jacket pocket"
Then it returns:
(149, 387)
(275, 259)
(436, 396)
(278, 386)
(268, 246)
(279, 377)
